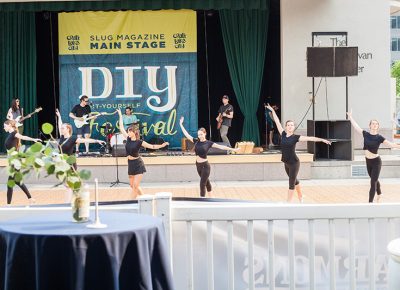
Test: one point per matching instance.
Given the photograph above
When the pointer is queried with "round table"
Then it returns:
(50, 252)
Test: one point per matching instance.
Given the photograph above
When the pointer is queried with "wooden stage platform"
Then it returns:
(177, 166)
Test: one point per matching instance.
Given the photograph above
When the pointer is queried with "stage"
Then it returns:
(176, 166)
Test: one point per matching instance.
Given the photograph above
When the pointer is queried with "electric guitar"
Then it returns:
(86, 118)
(20, 119)
(221, 118)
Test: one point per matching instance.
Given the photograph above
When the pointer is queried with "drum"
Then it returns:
(117, 139)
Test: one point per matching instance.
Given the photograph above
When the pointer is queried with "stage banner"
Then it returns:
(146, 60)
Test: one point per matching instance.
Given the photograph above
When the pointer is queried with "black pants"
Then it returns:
(10, 191)
(374, 169)
(292, 169)
(203, 169)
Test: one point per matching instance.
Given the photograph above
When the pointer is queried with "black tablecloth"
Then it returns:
(52, 253)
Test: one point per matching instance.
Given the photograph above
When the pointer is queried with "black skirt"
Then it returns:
(136, 166)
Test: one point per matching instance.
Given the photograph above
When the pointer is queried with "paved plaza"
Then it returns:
(314, 191)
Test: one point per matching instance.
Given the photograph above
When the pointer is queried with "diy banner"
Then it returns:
(143, 59)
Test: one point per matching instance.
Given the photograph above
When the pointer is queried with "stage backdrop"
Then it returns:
(143, 59)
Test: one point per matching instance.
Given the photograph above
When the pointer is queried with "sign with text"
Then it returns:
(142, 59)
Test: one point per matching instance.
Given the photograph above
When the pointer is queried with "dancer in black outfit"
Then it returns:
(372, 141)
(289, 157)
(68, 141)
(13, 141)
(135, 163)
(201, 148)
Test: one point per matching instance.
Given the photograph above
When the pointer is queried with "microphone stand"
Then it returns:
(117, 181)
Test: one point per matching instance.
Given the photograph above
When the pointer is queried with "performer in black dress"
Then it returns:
(68, 141)
(136, 166)
(289, 157)
(201, 148)
(372, 141)
(13, 141)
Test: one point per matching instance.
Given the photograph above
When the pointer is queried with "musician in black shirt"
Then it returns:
(201, 148)
(289, 157)
(81, 112)
(136, 166)
(68, 141)
(224, 119)
(372, 141)
(13, 141)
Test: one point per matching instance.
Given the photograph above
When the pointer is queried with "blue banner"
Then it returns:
(160, 88)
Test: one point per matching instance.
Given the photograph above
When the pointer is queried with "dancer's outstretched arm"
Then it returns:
(121, 124)
(276, 119)
(26, 138)
(314, 139)
(223, 147)
(353, 122)
(187, 135)
(60, 122)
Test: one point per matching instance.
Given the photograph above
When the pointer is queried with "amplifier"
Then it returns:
(186, 144)
(118, 150)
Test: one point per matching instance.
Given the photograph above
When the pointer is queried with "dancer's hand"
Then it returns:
(165, 144)
(181, 120)
(268, 106)
(350, 114)
(101, 142)
(119, 112)
(37, 140)
(327, 141)
(58, 113)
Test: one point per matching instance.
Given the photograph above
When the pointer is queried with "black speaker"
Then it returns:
(346, 61)
(320, 62)
(332, 61)
(118, 150)
(216, 151)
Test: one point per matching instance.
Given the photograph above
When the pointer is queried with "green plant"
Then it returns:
(395, 72)
(40, 158)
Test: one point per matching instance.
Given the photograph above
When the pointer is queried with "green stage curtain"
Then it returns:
(245, 38)
(134, 5)
(18, 66)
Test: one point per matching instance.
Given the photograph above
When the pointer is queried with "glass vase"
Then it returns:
(80, 204)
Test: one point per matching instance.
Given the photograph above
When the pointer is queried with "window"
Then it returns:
(395, 22)
(395, 44)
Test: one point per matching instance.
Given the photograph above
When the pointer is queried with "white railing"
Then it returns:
(224, 245)
(347, 241)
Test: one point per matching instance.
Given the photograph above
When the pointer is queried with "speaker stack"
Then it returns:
(332, 61)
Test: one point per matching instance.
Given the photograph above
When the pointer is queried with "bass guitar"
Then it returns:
(20, 119)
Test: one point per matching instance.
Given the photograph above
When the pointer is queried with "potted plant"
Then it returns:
(40, 158)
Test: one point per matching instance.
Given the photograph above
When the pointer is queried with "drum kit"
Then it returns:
(113, 138)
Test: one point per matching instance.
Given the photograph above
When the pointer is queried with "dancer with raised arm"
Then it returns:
(372, 141)
(136, 166)
(289, 157)
(68, 141)
(201, 148)
(13, 140)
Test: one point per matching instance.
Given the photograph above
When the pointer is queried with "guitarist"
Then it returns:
(224, 119)
(77, 112)
(16, 111)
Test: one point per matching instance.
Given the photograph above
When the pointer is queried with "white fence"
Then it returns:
(223, 245)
